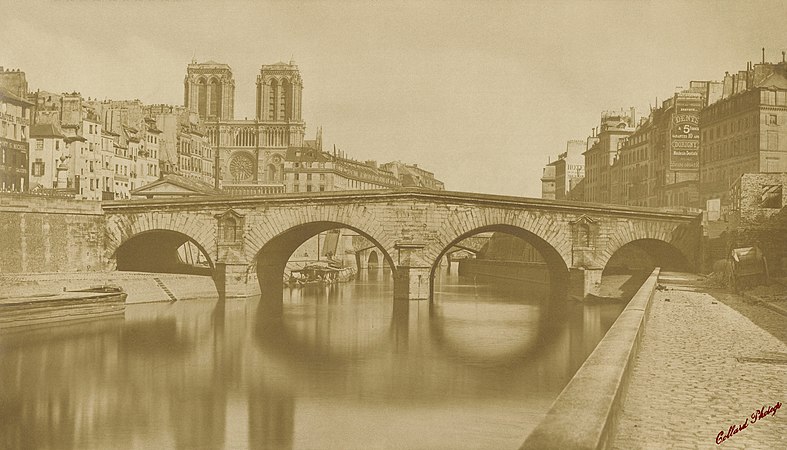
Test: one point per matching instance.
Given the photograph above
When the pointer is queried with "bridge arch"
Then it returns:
(645, 254)
(271, 259)
(157, 251)
(374, 260)
(556, 265)
(543, 231)
(667, 243)
(200, 229)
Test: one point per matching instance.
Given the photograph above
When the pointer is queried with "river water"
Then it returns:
(344, 367)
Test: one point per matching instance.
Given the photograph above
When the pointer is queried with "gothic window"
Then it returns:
(274, 95)
(215, 98)
(287, 99)
(202, 98)
(272, 174)
(241, 167)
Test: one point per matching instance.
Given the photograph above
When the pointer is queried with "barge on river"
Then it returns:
(320, 274)
(90, 303)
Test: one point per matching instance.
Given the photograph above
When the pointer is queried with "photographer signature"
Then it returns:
(759, 414)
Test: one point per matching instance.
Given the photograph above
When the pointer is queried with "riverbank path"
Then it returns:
(707, 361)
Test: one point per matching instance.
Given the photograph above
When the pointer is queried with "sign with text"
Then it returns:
(684, 132)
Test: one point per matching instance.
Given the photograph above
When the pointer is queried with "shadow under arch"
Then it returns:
(157, 251)
(556, 266)
(272, 258)
(643, 255)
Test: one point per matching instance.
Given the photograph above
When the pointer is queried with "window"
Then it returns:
(772, 119)
(308, 188)
(38, 168)
(773, 140)
(39, 144)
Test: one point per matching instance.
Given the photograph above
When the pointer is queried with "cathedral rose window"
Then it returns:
(241, 167)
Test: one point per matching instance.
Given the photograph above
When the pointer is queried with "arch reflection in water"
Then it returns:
(343, 366)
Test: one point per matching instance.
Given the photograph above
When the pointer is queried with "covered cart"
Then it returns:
(748, 267)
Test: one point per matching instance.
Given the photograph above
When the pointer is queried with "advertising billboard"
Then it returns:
(684, 132)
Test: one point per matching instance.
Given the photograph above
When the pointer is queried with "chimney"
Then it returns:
(763, 55)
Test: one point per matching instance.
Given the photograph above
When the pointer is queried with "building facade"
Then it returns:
(633, 169)
(410, 175)
(15, 113)
(745, 131)
(569, 169)
(548, 182)
(599, 158)
(309, 169)
(46, 146)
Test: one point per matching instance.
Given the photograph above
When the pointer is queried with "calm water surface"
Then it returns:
(345, 367)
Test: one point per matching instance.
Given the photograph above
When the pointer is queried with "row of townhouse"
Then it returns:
(689, 151)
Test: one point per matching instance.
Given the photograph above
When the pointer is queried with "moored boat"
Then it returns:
(319, 274)
(77, 304)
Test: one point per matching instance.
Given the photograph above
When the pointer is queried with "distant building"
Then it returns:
(309, 169)
(548, 182)
(658, 164)
(634, 166)
(745, 131)
(15, 112)
(569, 169)
(46, 145)
(614, 127)
(14, 82)
(411, 175)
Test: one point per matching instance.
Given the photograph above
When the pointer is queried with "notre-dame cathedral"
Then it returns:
(251, 152)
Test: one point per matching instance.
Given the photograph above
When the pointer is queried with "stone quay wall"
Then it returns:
(583, 415)
(51, 234)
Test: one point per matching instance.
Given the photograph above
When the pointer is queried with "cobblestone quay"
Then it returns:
(703, 368)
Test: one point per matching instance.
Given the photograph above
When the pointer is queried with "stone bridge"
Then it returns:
(248, 240)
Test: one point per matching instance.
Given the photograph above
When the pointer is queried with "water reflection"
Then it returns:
(341, 367)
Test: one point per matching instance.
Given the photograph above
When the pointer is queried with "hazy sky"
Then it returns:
(481, 93)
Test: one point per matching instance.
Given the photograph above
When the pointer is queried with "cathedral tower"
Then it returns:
(279, 89)
(209, 90)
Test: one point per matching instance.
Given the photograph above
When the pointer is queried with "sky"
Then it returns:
(483, 94)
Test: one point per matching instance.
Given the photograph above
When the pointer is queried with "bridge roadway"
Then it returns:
(248, 240)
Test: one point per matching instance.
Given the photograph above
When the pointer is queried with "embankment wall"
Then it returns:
(43, 234)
